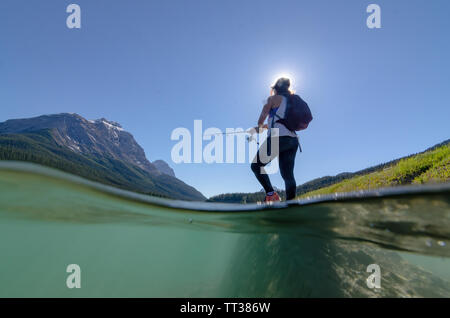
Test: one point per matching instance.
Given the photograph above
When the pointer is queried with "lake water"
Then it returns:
(130, 245)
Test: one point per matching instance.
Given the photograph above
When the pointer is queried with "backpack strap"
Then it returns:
(285, 111)
(299, 147)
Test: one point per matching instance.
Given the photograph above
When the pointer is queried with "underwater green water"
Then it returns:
(128, 247)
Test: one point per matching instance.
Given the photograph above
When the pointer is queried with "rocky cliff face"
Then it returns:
(98, 137)
(100, 150)
(164, 167)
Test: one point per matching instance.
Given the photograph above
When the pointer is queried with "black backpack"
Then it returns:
(298, 115)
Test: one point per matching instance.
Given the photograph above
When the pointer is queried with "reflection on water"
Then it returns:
(129, 248)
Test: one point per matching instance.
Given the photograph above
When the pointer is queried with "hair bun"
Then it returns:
(282, 83)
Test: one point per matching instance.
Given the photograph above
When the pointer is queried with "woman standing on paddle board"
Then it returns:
(288, 142)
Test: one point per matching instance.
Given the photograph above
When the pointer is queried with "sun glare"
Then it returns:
(290, 76)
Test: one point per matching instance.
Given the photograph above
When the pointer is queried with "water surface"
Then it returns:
(131, 245)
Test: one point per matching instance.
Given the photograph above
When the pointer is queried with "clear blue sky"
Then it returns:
(156, 65)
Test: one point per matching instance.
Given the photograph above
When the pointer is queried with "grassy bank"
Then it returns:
(428, 167)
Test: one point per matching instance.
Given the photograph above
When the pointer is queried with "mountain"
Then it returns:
(431, 165)
(163, 167)
(100, 150)
(99, 137)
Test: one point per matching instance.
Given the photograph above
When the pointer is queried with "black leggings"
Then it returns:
(287, 151)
